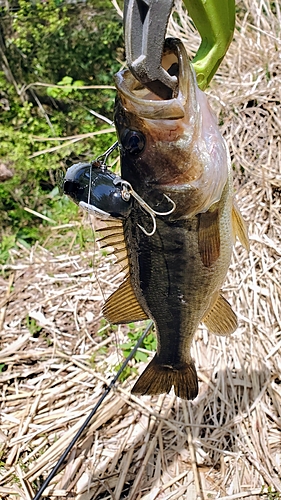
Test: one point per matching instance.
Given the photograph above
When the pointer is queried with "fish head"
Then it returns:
(171, 146)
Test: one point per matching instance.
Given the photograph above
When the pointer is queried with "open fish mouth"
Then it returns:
(137, 99)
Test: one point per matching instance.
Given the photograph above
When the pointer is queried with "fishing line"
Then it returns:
(92, 413)
(102, 159)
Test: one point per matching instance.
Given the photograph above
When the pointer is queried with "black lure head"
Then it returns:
(97, 190)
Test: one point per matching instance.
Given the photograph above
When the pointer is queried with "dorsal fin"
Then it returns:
(239, 227)
(112, 235)
(111, 240)
(109, 230)
(122, 306)
(220, 319)
(123, 262)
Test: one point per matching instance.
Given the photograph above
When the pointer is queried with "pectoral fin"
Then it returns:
(220, 318)
(122, 306)
(209, 237)
(239, 227)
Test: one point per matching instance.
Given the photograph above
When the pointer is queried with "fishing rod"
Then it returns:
(92, 413)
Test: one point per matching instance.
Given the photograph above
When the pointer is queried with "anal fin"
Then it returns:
(239, 227)
(158, 378)
(220, 318)
(122, 306)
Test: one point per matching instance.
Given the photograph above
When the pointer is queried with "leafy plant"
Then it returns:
(148, 344)
(270, 493)
(102, 351)
(105, 329)
(126, 372)
(32, 326)
(7, 243)
(53, 42)
(69, 88)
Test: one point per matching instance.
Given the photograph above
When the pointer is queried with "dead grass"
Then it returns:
(227, 443)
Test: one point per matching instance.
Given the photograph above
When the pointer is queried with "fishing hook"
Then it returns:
(129, 191)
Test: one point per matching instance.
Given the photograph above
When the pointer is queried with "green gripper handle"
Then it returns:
(215, 21)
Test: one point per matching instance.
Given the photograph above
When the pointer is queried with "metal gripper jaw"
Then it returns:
(145, 25)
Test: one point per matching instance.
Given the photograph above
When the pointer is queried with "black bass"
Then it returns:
(173, 150)
(175, 238)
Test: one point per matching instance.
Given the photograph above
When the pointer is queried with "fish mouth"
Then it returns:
(137, 99)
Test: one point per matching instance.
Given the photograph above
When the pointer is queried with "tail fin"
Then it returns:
(158, 378)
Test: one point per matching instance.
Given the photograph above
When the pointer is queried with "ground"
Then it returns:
(58, 355)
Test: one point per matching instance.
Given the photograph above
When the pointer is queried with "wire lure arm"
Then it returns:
(104, 157)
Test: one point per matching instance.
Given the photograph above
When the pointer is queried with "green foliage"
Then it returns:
(50, 21)
(55, 39)
(102, 351)
(8, 242)
(53, 42)
(32, 326)
(48, 340)
(149, 344)
(60, 207)
(69, 88)
(270, 493)
(128, 370)
(106, 329)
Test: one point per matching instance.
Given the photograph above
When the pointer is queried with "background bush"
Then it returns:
(51, 42)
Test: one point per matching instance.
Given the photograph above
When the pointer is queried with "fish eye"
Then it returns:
(133, 142)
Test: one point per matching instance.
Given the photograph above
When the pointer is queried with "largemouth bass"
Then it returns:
(177, 236)
(175, 148)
